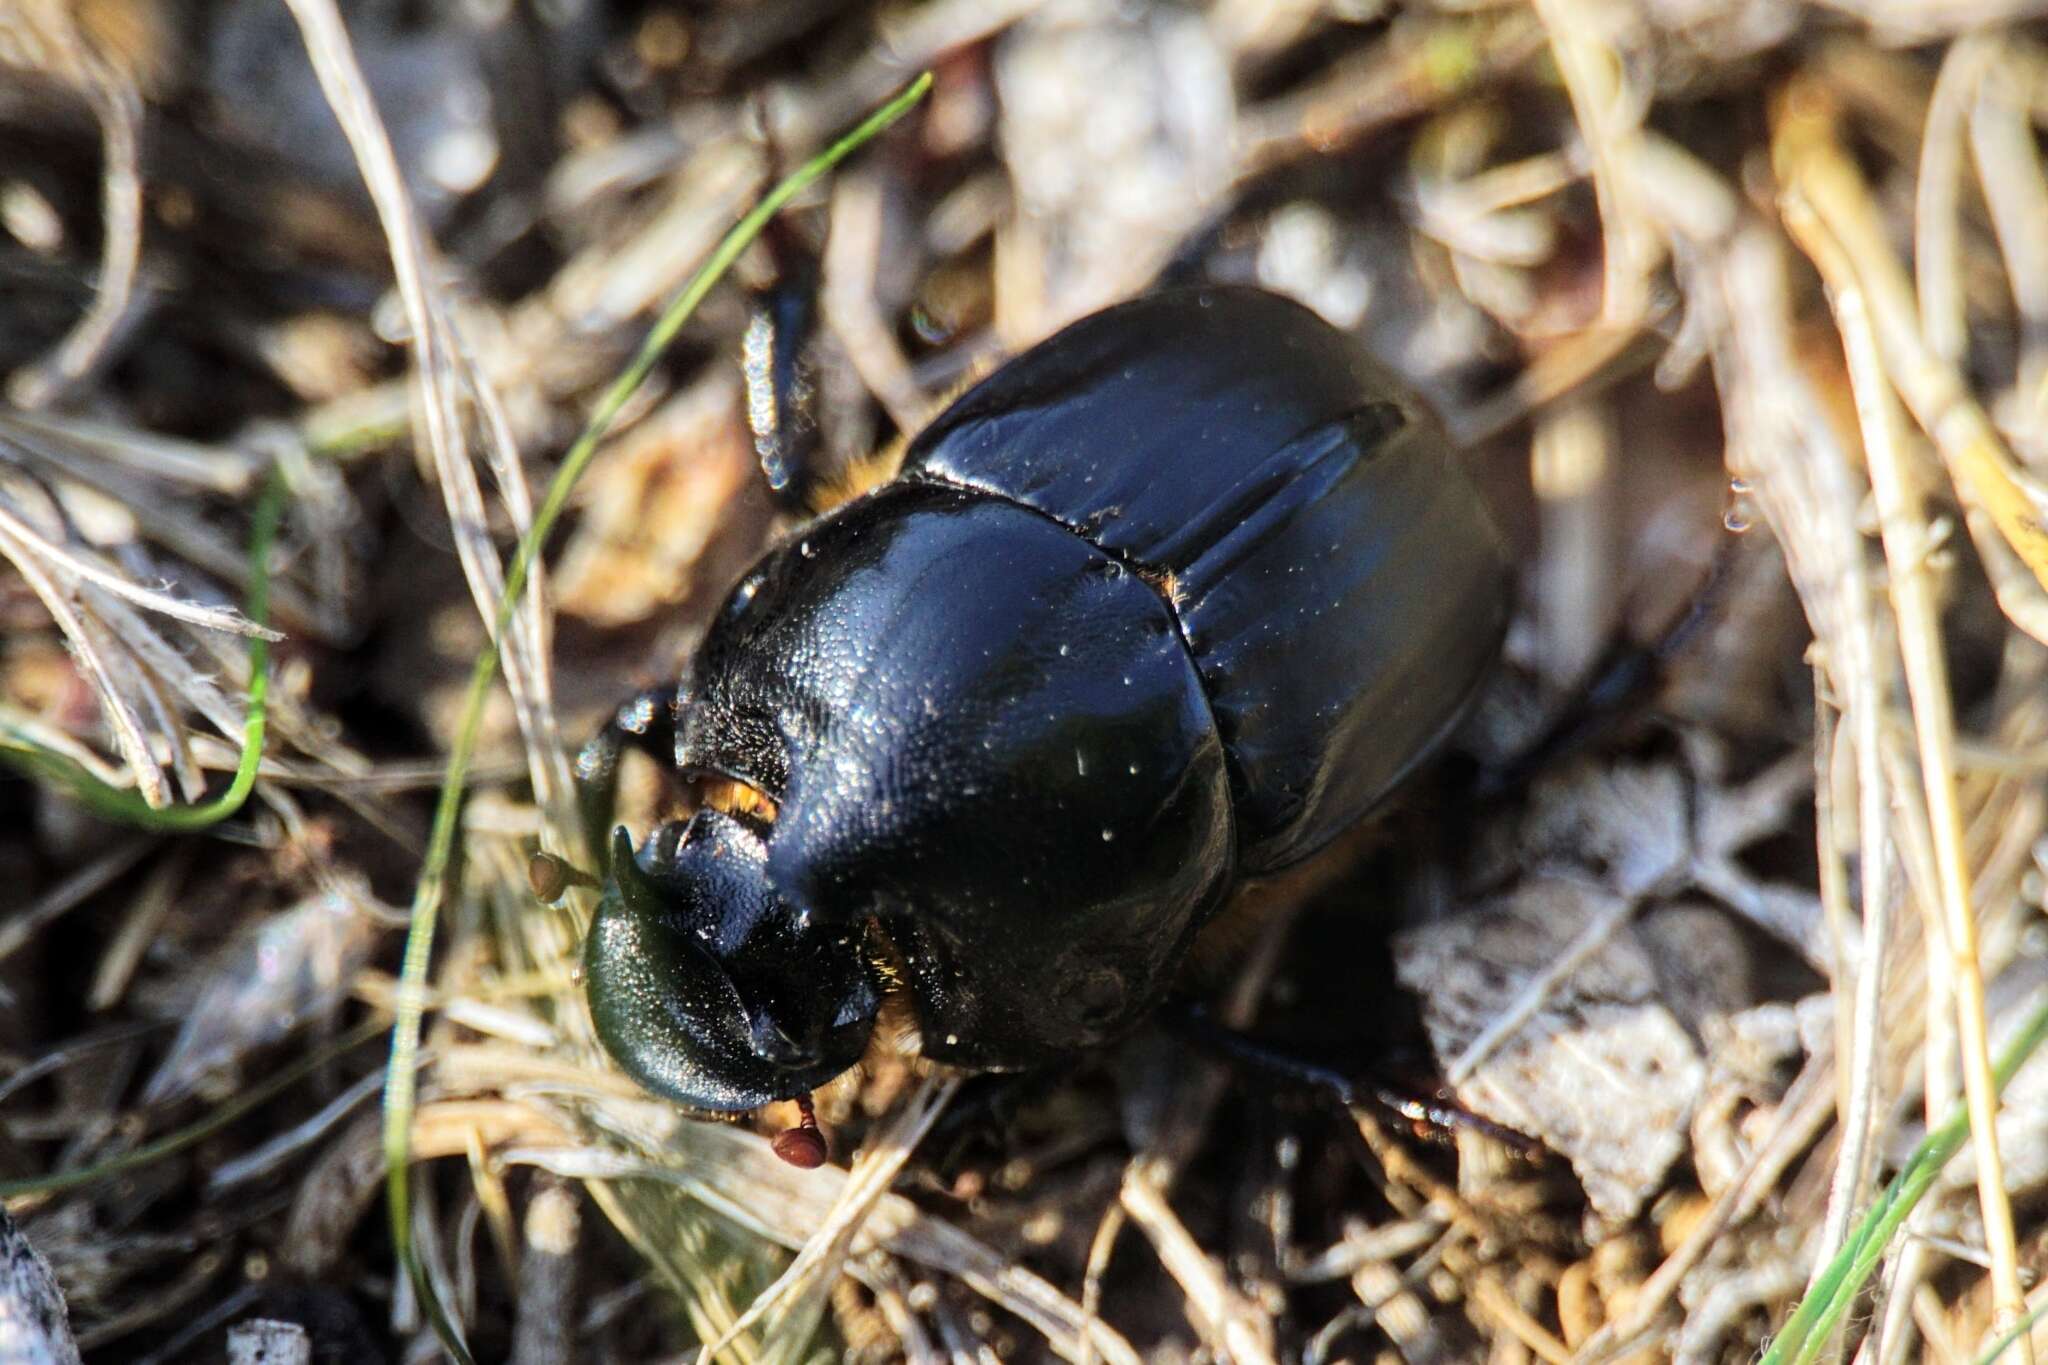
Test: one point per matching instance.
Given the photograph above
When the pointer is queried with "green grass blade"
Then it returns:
(1807, 1331)
(400, 1092)
(200, 1131)
(127, 807)
(2013, 1334)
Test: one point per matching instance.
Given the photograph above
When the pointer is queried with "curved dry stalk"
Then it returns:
(1609, 113)
(1862, 679)
(1937, 214)
(117, 107)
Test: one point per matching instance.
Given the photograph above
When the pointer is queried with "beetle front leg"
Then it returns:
(645, 722)
(1425, 1105)
(780, 370)
(1623, 680)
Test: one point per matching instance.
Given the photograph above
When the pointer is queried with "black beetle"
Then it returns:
(1166, 603)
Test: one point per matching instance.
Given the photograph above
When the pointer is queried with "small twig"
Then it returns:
(543, 1332)
(1235, 1329)
(1100, 1247)
(24, 923)
(1492, 1298)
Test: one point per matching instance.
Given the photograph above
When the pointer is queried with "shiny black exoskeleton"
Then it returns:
(1167, 602)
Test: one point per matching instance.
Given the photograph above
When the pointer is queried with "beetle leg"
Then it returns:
(1628, 674)
(645, 722)
(781, 376)
(1431, 1111)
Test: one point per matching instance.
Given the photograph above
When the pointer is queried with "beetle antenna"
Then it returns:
(804, 1145)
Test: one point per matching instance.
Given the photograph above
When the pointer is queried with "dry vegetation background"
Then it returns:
(1741, 309)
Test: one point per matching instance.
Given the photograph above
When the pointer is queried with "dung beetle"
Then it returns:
(1166, 603)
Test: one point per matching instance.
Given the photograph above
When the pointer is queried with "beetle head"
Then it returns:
(711, 989)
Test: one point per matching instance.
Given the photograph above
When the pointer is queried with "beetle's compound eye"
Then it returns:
(708, 987)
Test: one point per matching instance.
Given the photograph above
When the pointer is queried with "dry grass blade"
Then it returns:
(225, 470)
(1806, 155)
(154, 670)
(823, 1256)
(735, 1174)
(19, 532)
(147, 479)
(1812, 165)
(442, 376)
(89, 647)
(1937, 214)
